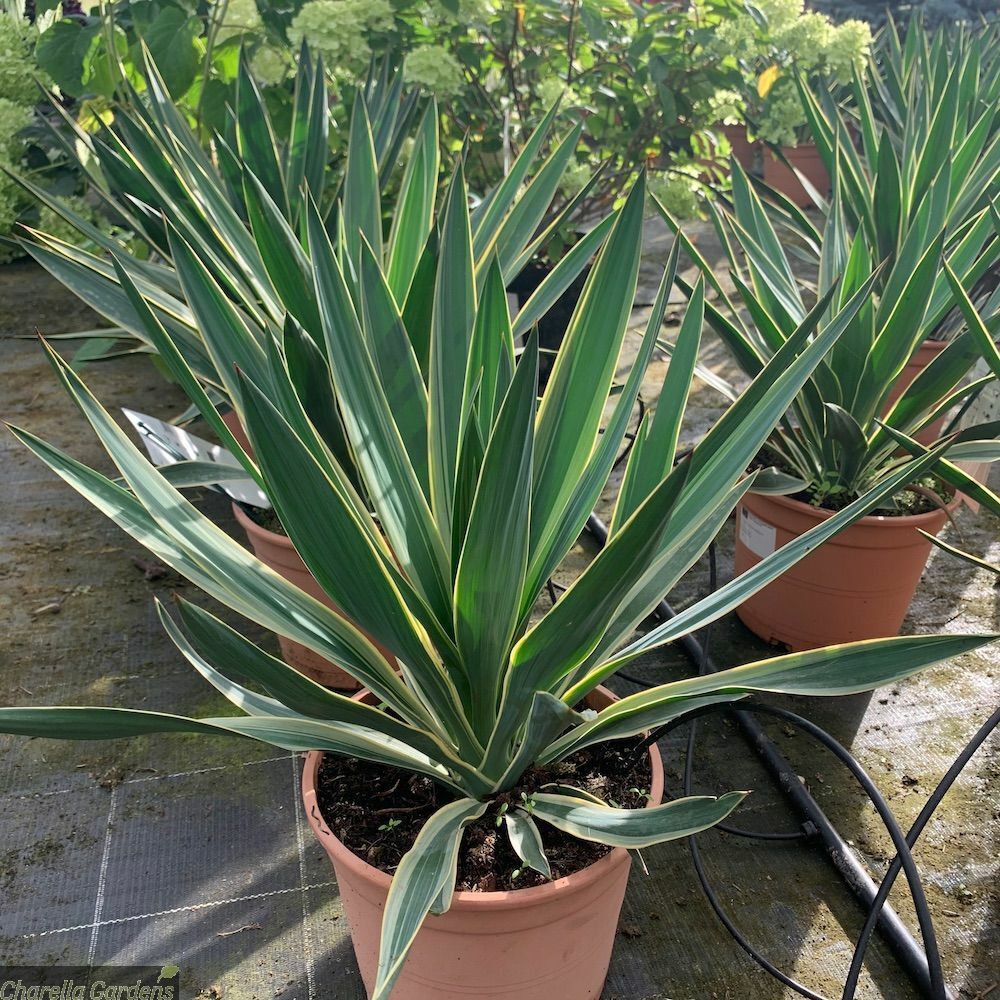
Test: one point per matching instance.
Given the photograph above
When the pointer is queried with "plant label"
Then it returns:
(168, 444)
(757, 535)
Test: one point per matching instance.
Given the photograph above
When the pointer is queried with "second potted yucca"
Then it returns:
(850, 429)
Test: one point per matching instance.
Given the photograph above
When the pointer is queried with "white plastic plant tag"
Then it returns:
(168, 445)
(757, 535)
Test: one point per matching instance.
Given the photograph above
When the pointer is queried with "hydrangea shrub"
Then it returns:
(771, 39)
(18, 93)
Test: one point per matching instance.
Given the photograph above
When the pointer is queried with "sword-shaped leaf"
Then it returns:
(634, 828)
(425, 877)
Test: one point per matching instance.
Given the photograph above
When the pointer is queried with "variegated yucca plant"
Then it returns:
(236, 211)
(471, 492)
(913, 67)
(917, 150)
(842, 434)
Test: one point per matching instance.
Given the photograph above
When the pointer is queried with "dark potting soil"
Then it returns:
(377, 811)
(265, 518)
(906, 503)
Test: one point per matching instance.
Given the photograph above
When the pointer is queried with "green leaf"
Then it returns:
(425, 876)
(898, 322)
(494, 556)
(494, 207)
(775, 482)
(298, 486)
(634, 828)
(281, 253)
(527, 841)
(186, 475)
(546, 719)
(974, 322)
(308, 139)
(227, 336)
(419, 306)
(181, 537)
(570, 414)
(451, 332)
(397, 365)
(414, 214)
(213, 647)
(491, 356)
(172, 40)
(574, 627)
(181, 373)
(843, 669)
(255, 138)
(96, 723)
(732, 594)
(64, 50)
(528, 212)
(960, 554)
(551, 548)
(288, 734)
(231, 652)
(654, 460)
(362, 208)
(558, 280)
(388, 474)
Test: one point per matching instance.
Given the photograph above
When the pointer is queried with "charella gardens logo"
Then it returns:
(81, 983)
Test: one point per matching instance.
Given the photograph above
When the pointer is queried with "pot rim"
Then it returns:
(869, 520)
(929, 344)
(466, 899)
(250, 526)
(806, 148)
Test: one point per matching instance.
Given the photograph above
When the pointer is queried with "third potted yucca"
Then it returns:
(919, 111)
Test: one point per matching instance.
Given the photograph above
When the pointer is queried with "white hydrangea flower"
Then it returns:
(435, 69)
(270, 65)
(848, 49)
(17, 63)
(241, 17)
(338, 29)
(13, 118)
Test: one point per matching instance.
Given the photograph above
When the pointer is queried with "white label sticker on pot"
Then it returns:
(757, 535)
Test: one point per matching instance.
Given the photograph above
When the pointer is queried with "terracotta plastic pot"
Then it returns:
(857, 585)
(744, 151)
(278, 552)
(924, 355)
(232, 421)
(553, 325)
(548, 942)
(806, 160)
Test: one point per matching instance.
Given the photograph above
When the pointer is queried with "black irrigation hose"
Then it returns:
(930, 806)
(713, 899)
(903, 860)
(698, 653)
(904, 857)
